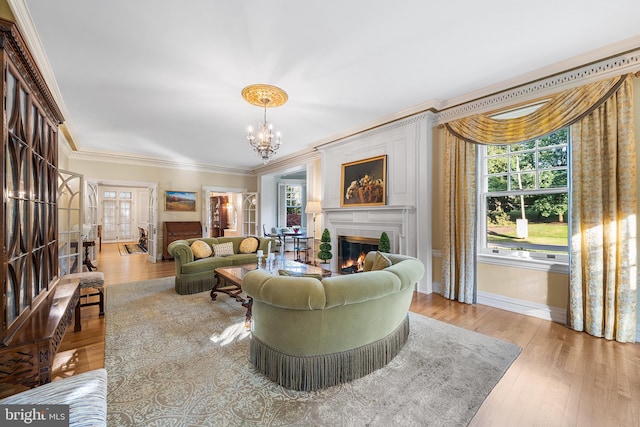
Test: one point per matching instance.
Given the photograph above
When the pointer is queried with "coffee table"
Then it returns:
(230, 278)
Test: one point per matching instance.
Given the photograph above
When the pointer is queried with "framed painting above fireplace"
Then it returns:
(364, 182)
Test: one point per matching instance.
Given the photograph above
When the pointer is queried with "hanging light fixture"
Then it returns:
(263, 141)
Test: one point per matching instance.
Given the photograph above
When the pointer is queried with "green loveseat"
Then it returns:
(309, 334)
(196, 275)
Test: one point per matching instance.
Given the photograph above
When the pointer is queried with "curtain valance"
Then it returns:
(561, 110)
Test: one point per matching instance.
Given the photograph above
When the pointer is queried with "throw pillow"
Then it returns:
(249, 245)
(380, 262)
(201, 249)
(223, 249)
(298, 274)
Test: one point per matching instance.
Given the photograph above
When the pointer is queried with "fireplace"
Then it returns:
(351, 252)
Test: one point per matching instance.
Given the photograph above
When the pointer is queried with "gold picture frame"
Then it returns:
(364, 182)
(180, 201)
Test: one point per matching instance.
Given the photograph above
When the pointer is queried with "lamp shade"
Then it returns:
(313, 208)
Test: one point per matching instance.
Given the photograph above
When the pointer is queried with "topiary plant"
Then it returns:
(325, 248)
(385, 244)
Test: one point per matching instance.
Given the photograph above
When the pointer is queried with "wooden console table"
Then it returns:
(27, 357)
(86, 259)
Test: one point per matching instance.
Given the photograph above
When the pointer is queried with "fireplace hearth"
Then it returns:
(351, 252)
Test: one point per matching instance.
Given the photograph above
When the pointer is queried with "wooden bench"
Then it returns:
(88, 279)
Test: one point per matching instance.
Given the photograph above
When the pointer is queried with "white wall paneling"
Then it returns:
(407, 144)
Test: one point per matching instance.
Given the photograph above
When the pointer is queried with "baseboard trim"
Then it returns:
(528, 308)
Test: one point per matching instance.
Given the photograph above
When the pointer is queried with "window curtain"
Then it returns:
(559, 111)
(459, 253)
(600, 111)
(603, 281)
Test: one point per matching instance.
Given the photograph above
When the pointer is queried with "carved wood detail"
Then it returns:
(13, 43)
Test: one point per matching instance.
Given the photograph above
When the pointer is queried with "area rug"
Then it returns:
(131, 249)
(182, 360)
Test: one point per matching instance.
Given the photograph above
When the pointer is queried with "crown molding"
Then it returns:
(296, 159)
(17, 49)
(588, 72)
(428, 108)
(154, 162)
(427, 116)
(28, 31)
(63, 145)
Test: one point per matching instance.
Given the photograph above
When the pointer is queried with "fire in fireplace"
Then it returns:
(351, 252)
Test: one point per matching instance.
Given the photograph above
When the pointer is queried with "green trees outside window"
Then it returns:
(526, 184)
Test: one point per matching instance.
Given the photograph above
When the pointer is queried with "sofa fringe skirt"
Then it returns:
(195, 286)
(308, 373)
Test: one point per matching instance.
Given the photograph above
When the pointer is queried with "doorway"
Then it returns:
(123, 210)
(117, 217)
(225, 212)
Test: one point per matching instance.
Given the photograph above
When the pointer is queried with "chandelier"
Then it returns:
(263, 141)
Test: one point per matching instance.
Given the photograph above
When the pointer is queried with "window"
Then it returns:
(524, 198)
(293, 204)
(291, 194)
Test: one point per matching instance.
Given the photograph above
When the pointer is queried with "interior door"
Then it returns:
(117, 216)
(109, 220)
(152, 235)
(125, 229)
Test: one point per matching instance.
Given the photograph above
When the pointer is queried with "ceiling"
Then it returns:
(162, 79)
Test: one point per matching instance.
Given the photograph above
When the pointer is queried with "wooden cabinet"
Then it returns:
(29, 216)
(35, 309)
(218, 215)
(178, 230)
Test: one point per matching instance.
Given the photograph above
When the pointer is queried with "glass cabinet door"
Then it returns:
(250, 214)
(70, 226)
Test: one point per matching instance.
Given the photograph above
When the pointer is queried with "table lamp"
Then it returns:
(314, 208)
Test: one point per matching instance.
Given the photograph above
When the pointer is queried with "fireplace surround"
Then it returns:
(368, 223)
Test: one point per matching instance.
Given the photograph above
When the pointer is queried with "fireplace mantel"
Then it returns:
(394, 216)
(371, 208)
(398, 221)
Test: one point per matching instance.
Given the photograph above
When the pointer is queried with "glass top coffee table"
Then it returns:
(230, 278)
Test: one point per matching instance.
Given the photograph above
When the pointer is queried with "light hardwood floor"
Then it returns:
(561, 378)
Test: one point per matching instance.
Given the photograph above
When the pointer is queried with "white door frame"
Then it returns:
(153, 222)
(152, 229)
(206, 207)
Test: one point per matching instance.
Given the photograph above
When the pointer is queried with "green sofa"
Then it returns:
(196, 275)
(309, 334)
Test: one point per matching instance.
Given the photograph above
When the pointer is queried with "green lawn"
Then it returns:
(554, 233)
